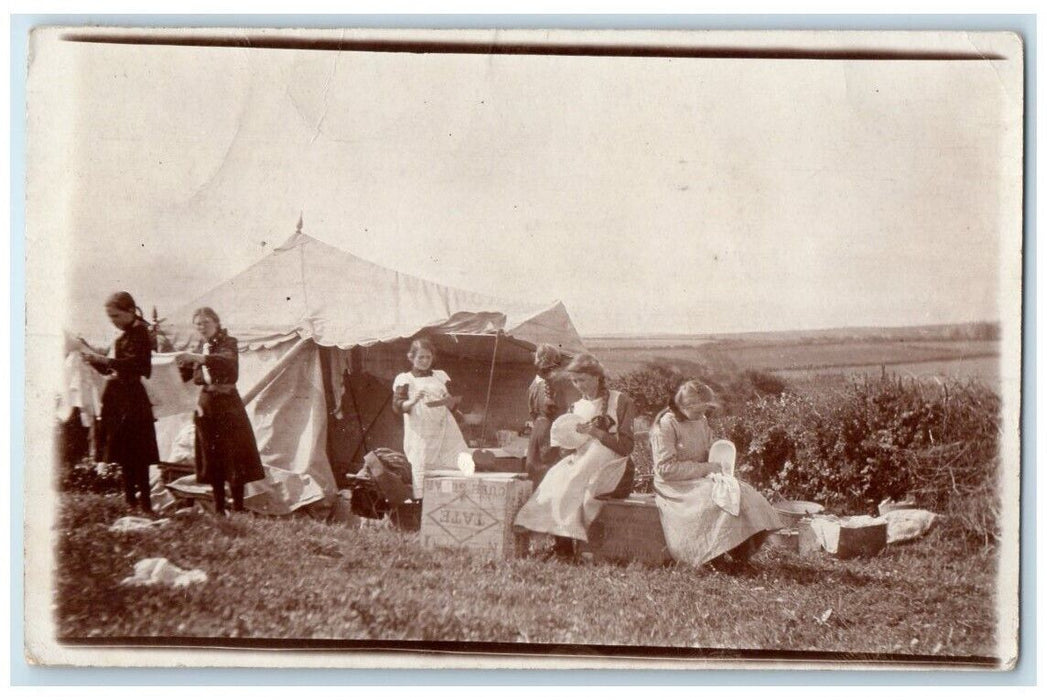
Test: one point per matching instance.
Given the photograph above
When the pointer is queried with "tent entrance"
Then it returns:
(358, 392)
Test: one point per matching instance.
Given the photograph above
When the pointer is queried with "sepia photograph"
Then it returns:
(414, 348)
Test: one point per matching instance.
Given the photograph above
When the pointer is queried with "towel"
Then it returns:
(150, 572)
(81, 387)
(727, 493)
(132, 524)
(908, 524)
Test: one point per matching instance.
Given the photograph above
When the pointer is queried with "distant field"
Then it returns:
(985, 369)
(795, 359)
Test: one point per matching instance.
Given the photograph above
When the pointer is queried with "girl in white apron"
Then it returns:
(432, 438)
(565, 502)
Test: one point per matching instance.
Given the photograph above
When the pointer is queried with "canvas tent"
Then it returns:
(322, 334)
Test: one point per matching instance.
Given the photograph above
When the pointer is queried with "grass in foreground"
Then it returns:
(297, 578)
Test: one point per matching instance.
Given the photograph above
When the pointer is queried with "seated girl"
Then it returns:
(565, 503)
(697, 528)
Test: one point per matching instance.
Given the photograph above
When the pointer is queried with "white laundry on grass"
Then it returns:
(159, 571)
(908, 524)
(131, 523)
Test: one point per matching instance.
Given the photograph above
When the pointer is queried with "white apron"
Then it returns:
(565, 502)
(432, 439)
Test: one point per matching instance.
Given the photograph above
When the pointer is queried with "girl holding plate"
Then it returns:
(599, 429)
(432, 438)
(707, 515)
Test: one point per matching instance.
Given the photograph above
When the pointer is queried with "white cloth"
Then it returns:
(724, 453)
(827, 528)
(160, 497)
(159, 571)
(130, 523)
(81, 387)
(564, 432)
(908, 524)
(183, 449)
(432, 439)
(203, 368)
(727, 493)
(168, 394)
(827, 531)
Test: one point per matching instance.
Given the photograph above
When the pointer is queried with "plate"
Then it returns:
(723, 453)
(564, 433)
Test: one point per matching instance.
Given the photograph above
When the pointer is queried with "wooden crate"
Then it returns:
(845, 537)
(861, 540)
(474, 512)
(499, 461)
(629, 529)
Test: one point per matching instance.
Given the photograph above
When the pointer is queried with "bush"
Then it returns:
(87, 477)
(877, 439)
(651, 385)
(850, 446)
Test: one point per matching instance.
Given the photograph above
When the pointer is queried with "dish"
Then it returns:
(564, 433)
(723, 453)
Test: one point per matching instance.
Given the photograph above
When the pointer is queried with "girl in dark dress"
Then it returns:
(225, 445)
(546, 401)
(127, 432)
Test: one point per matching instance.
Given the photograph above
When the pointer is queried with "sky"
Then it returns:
(650, 195)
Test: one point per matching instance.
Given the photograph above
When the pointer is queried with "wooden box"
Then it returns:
(844, 538)
(498, 461)
(861, 539)
(474, 512)
(629, 529)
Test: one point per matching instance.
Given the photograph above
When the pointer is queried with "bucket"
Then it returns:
(792, 512)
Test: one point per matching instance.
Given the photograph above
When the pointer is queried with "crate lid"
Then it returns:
(455, 474)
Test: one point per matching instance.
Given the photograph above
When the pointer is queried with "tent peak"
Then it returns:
(297, 238)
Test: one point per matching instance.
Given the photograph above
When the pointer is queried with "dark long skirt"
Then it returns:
(129, 437)
(226, 449)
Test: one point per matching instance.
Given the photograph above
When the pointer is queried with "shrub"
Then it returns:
(88, 477)
(848, 446)
(765, 383)
(877, 439)
(651, 385)
(648, 387)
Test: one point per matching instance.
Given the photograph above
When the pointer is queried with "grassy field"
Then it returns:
(302, 579)
(793, 358)
(984, 369)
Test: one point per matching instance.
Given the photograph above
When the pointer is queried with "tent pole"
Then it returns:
(280, 366)
(490, 383)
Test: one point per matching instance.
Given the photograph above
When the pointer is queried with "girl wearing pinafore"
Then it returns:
(697, 528)
(432, 438)
(565, 502)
